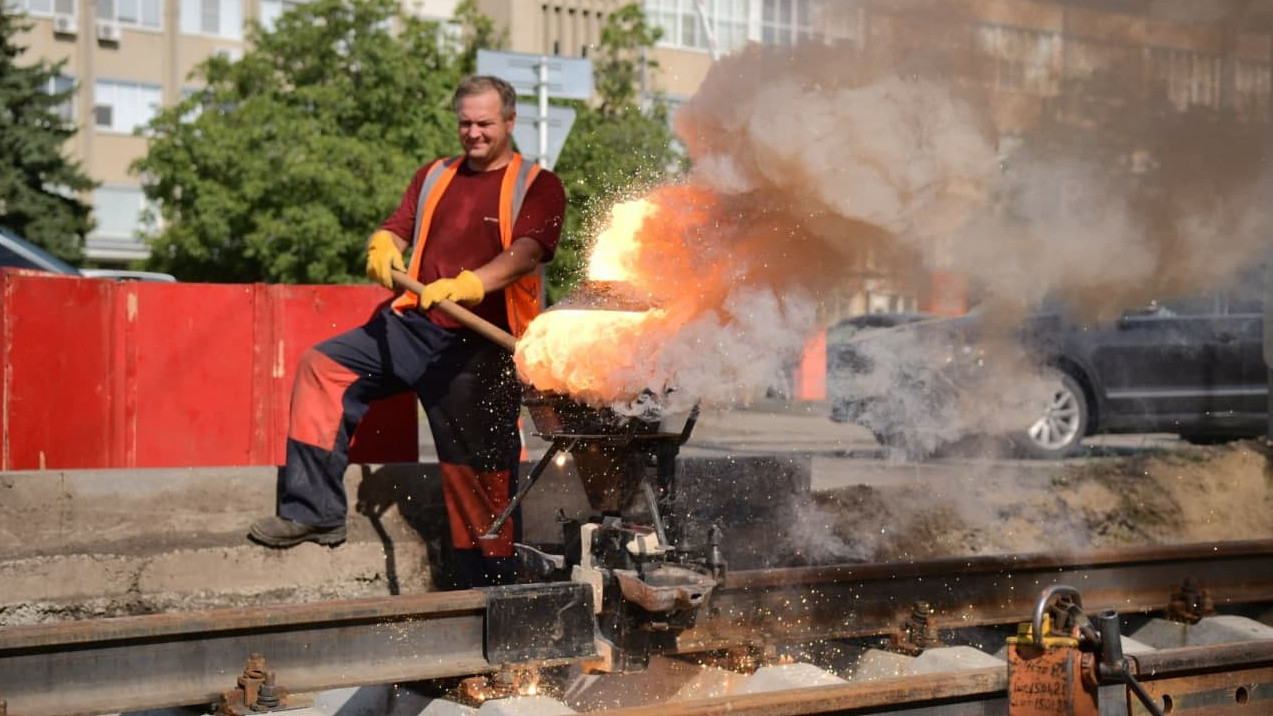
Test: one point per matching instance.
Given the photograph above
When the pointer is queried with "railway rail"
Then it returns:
(156, 661)
(1189, 672)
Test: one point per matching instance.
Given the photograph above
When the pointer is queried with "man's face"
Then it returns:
(483, 130)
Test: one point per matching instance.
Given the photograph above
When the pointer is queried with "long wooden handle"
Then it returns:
(467, 318)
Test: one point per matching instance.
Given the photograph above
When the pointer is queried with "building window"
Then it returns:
(1187, 77)
(1107, 68)
(1251, 90)
(43, 8)
(729, 20)
(836, 22)
(222, 18)
(683, 29)
(678, 20)
(1021, 60)
(58, 85)
(272, 10)
(118, 211)
(785, 22)
(125, 106)
(132, 13)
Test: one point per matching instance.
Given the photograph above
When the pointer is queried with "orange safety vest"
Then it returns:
(522, 298)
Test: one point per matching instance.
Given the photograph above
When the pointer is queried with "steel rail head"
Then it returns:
(1004, 563)
(443, 634)
(1168, 663)
(972, 591)
(189, 625)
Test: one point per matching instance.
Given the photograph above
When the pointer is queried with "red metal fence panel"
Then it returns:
(57, 385)
(188, 382)
(304, 315)
(104, 374)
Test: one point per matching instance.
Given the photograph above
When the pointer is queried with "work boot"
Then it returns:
(281, 532)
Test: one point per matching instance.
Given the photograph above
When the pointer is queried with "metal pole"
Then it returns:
(542, 121)
(542, 160)
(1268, 273)
(643, 83)
(1268, 342)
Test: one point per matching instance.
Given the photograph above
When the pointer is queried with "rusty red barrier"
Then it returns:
(106, 374)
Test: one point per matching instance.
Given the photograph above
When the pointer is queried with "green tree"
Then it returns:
(616, 149)
(39, 185)
(283, 163)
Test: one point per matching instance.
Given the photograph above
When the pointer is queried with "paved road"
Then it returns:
(763, 428)
(790, 427)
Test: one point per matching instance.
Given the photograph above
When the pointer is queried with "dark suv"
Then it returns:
(1193, 367)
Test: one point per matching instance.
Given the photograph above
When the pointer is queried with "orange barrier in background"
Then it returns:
(810, 377)
(946, 294)
(107, 374)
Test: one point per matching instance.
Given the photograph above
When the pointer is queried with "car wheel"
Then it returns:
(1058, 431)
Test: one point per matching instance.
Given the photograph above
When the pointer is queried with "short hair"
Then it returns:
(477, 84)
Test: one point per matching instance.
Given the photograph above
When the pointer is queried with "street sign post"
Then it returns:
(543, 76)
(560, 120)
(568, 77)
(1268, 340)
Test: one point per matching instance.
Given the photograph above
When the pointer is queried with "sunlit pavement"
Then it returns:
(805, 428)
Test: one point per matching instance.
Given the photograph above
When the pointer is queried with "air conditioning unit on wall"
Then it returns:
(65, 25)
(108, 31)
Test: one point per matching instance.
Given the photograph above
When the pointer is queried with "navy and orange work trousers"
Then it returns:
(471, 397)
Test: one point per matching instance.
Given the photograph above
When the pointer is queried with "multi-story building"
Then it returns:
(129, 57)
(694, 31)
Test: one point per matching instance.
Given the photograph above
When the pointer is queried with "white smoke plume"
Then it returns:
(737, 256)
(817, 164)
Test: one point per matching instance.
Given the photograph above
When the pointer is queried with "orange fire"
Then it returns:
(617, 245)
(606, 356)
(654, 243)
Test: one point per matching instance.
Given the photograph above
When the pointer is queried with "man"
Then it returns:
(481, 225)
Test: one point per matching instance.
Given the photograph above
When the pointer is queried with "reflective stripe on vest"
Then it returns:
(522, 298)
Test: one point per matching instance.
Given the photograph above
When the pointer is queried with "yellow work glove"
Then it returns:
(382, 257)
(465, 288)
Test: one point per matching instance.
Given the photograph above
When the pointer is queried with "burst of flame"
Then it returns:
(653, 242)
(606, 356)
(615, 247)
(586, 354)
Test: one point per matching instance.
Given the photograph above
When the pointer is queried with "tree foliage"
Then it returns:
(615, 150)
(39, 184)
(279, 168)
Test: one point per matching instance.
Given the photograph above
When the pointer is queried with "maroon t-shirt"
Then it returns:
(464, 233)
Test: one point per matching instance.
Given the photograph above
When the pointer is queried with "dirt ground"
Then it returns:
(1155, 496)
(1195, 494)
